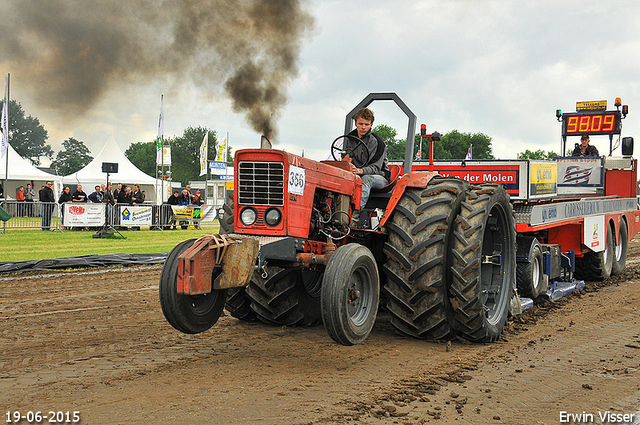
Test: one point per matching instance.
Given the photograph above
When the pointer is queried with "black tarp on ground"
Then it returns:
(84, 261)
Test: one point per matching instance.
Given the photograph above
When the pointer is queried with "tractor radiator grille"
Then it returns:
(261, 183)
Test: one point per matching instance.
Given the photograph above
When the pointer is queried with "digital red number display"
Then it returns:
(592, 124)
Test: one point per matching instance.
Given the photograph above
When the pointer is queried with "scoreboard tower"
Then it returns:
(593, 119)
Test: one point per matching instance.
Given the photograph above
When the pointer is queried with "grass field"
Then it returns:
(22, 245)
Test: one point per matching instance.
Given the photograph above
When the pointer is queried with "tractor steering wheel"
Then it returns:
(344, 151)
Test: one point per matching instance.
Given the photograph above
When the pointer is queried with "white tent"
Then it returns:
(128, 174)
(22, 172)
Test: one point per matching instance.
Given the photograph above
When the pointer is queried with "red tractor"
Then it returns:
(438, 250)
(451, 247)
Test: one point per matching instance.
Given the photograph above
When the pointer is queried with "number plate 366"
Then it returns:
(296, 180)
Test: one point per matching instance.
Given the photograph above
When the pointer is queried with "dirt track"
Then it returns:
(96, 342)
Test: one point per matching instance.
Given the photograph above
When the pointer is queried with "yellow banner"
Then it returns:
(592, 105)
(544, 179)
(187, 212)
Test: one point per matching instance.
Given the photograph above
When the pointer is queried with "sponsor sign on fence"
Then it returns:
(135, 215)
(83, 215)
(192, 212)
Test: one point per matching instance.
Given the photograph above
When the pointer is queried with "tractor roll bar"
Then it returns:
(411, 130)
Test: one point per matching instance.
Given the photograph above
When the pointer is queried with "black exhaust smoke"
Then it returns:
(72, 52)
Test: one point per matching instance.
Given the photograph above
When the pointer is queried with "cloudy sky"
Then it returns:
(501, 68)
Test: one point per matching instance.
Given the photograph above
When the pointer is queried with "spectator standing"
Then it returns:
(109, 200)
(48, 200)
(29, 194)
(79, 195)
(137, 198)
(40, 199)
(65, 197)
(185, 199)
(124, 195)
(20, 198)
(117, 191)
(173, 200)
(197, 200)
(96, 197)
(124, 198)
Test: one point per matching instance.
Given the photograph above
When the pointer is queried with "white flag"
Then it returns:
(469, 153)
(203, 154)
(4, 124)
(160, 131)
(222, 151)
(3, 121)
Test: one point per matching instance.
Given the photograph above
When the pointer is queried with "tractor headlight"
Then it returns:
(273, 217)
(248, 216)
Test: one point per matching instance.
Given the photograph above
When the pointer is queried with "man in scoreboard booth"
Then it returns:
(584, 148)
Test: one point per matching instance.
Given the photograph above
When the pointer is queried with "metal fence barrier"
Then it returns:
(162, 218)
(32, 215)
(50, 216)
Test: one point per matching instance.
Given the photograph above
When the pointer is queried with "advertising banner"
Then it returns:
(81, 214)
(594, 236)
(509, 173)
(187, 212)
(580, 172)
(135, 215)
(544, 178)
(217, 165)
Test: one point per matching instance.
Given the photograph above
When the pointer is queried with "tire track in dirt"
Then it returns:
(558, 356)
(98, 341)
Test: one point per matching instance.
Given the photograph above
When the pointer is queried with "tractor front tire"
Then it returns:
(189, 314)
(484, 263)
(418, 259)
(350, 294)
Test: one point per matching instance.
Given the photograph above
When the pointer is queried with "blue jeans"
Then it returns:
(371, 181)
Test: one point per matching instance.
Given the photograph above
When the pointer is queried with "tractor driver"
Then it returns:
(375, 173)
(584, 148)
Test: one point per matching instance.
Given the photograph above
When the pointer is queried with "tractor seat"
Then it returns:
(395, 175)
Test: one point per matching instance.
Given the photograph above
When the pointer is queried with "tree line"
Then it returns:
(29, 139)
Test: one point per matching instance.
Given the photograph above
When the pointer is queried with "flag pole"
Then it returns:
(6, 135)
(160, 143)
(207, 175)
(226, 149)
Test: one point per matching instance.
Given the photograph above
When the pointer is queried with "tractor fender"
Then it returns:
(413, 179)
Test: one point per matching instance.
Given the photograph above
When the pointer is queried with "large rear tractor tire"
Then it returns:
(350, 294)
(226, 222)
(597, 266)
(622, 245)
(529, 269)
(239, 305)
(418, 260)
(187, 313)
(484, 263)
(285, 297)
